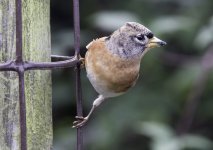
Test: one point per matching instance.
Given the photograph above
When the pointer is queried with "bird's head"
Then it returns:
(133, 39)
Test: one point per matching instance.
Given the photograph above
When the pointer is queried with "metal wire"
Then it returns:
(78, 70)
(20, 66)
(20, 70)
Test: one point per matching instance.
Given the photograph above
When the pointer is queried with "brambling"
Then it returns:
(112, 63)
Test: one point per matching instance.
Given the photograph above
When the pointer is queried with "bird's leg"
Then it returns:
(82, 120)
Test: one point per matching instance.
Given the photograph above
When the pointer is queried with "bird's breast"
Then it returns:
(108, 72)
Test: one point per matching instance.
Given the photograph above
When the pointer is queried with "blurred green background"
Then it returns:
(171, 106)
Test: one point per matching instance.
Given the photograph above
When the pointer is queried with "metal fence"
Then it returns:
(20, 66)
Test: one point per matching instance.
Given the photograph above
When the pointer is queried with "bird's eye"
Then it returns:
(140, 37)
(150, 35)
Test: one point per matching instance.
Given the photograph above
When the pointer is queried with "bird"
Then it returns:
(113, 62)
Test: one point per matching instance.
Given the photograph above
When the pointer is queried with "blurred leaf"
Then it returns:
(182, 79)
(172, 24)
(156, 130)
(205, 36)
(164, 138)
(196, 142)
(112, 20)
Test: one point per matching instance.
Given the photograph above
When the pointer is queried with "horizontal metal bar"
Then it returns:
(28, 65)
(51, 65)
(7, 66)
(60, 58)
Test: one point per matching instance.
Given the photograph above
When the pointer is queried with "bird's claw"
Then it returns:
(82, 63)
(79, 122)
(82, 60)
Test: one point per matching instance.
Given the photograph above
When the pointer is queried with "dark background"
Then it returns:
(171, 106)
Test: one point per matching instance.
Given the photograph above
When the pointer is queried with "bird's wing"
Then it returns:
(92, 42)
(88, 45)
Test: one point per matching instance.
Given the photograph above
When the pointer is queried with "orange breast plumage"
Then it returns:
(109, 74)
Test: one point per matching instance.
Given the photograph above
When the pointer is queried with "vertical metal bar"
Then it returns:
(76, 26)
(78, 71)
(19, 31)
(19, 61)
(79, 108)
(22, 111)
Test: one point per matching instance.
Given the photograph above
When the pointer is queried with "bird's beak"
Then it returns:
(155, 42)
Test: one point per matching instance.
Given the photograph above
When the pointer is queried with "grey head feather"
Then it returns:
(125, 42)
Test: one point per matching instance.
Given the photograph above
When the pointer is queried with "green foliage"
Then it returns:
(147, 116)
(164, 138)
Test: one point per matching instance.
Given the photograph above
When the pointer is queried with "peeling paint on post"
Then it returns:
(36, 47)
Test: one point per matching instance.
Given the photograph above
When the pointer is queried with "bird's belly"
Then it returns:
(101, 85)
(111, 82)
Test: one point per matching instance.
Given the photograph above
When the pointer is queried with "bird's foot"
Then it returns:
(82, 60)
(79, 122)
